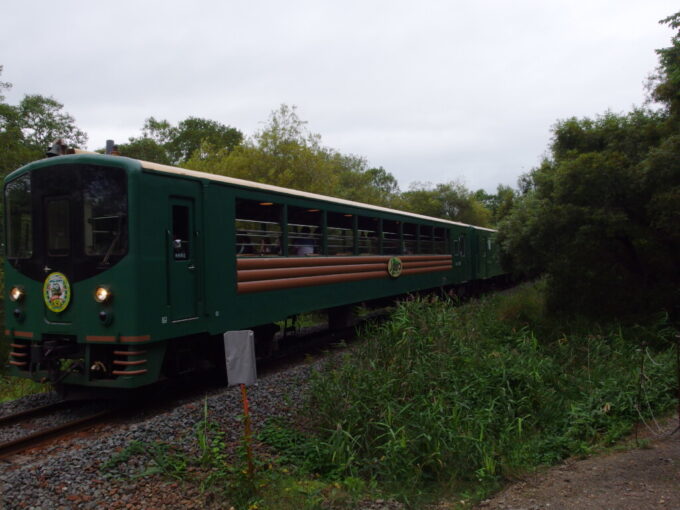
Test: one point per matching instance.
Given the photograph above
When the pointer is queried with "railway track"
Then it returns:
(32, 413)
(313, 339)
(41, 434)
(45, 434)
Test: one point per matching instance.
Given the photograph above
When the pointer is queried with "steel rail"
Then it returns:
(23, 443)
(36, 411)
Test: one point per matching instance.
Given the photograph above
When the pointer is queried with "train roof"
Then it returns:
(287, 191)
(149, 165)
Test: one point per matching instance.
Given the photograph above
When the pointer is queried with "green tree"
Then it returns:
(12, 152)
(598, 216)
(500, 203)
(160, 131)
(193, 137)
(451, 201)
(370, 185)
(665, 83)
(4, 85)
(43, 121)
(193, 133)
(29, 128)
(285, 153)
(146, 149)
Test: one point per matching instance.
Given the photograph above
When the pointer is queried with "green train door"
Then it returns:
(183, 259)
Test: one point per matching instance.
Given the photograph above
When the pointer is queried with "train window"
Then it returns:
(258, 228)
(305, 235)
(426, 239)
(181, 233)
(410, 238)
(461, 244)
(440, 238)
(340, 234)
(19, 218)
(368, 236)
(104, 213)
(58, 226)
(391, 244)
(456, 248)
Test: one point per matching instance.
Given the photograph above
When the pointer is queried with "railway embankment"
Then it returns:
(439, 404)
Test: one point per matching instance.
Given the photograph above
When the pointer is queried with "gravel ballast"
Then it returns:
(66, 474)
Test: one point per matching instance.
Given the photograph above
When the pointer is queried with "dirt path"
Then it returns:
(638, 479)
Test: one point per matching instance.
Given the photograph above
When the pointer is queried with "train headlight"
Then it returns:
(103, 295)
(17, 294)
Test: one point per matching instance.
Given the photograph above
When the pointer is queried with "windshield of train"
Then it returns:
(104, 214)
(69, 217)
(19, 218)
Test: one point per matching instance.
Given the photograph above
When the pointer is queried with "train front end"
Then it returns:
(69, 273)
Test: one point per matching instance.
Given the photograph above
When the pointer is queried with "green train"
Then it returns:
(120, 273)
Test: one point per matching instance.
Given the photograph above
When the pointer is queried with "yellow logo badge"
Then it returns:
(394, 267)
(56, 292)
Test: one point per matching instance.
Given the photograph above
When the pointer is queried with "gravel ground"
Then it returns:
(645, 478)
(67, 475)
(34, 424)
(23, 404)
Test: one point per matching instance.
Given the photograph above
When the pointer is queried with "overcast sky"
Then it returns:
(429, 90)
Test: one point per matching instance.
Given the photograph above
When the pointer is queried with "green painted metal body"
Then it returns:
(162, 292)
(485, 254)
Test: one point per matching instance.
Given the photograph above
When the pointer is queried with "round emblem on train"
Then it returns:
(394, 267)
(56, 292)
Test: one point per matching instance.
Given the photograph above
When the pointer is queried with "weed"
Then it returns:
(442, 395)
(12, 388)
(279, 483)
(162, 459)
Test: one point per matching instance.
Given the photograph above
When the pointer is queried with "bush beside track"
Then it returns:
(443, 398)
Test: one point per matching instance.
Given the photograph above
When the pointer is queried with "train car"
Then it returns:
(485, 255)
(121, 272)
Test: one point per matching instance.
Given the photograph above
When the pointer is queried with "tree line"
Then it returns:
(286, 153)
(283, 153)
(599, 217)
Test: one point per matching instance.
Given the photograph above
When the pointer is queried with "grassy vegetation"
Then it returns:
(220, 470)
(12, 388)
(442, 401)
(458, 399)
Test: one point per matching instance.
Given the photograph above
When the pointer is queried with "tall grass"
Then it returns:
(480, 392)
